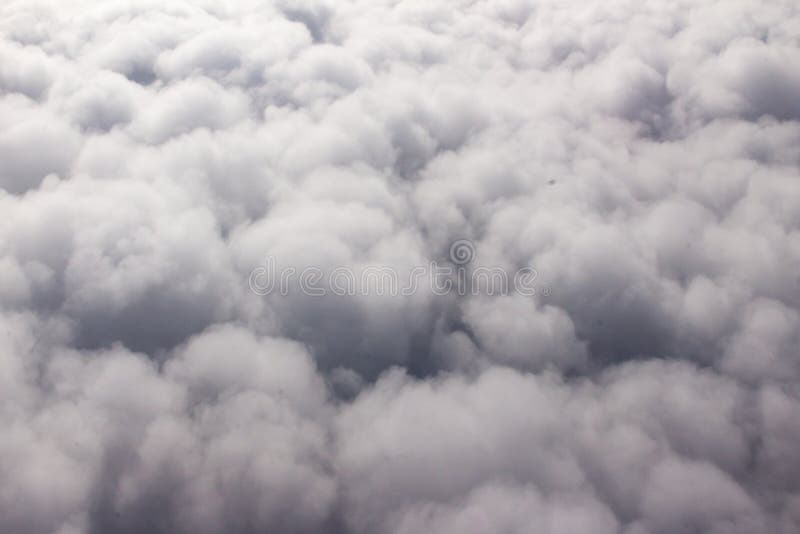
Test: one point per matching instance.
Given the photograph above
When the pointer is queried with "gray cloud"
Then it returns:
(641, 158)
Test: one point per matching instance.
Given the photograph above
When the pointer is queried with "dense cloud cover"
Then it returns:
(642, 157)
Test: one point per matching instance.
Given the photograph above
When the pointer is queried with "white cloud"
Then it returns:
(641, 157)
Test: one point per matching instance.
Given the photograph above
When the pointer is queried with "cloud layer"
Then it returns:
(642, 157)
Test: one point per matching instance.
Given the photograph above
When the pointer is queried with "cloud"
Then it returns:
(34, 143)
(641, 160)
(657, 446)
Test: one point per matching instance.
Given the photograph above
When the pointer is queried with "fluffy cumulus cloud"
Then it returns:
(638, 161)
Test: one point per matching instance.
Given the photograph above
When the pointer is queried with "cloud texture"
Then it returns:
(642, 157)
